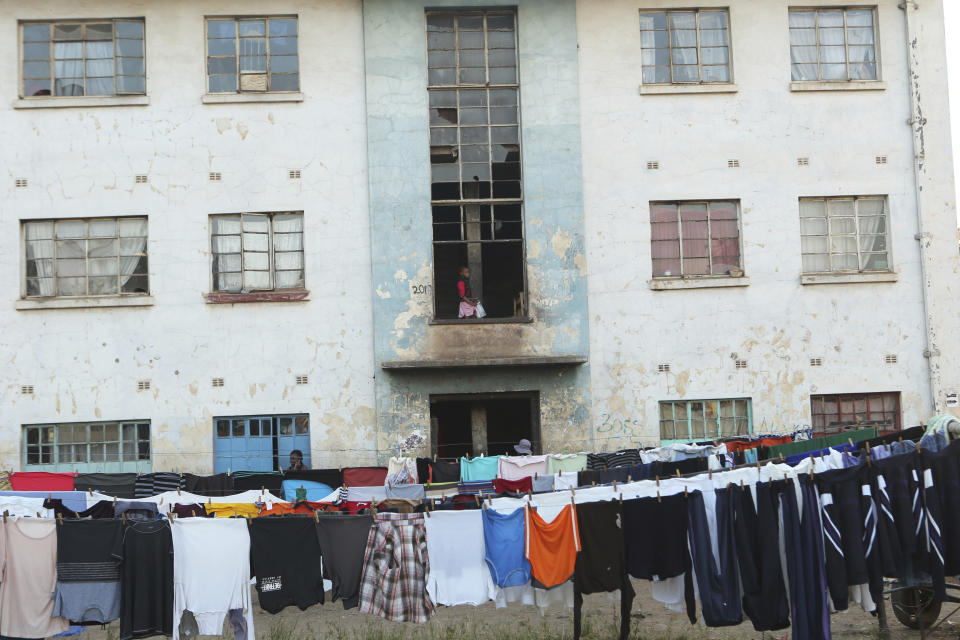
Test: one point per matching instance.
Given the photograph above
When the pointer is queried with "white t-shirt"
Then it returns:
(458, 569)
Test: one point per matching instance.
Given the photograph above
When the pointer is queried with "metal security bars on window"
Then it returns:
(833, 44)
(257, 251)
(695, 238)
(92, 257)
(685, 46)
(68, 445)
(687, 420)
(848, 412)
(101, 58)
(252, 54)
(844, 234)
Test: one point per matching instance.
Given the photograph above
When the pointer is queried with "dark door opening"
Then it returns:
(488, 424)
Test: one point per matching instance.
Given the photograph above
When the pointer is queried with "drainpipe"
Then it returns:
(917, 122)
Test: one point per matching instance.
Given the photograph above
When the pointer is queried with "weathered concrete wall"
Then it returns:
(775, 323)
(399, 169)
(85, 363)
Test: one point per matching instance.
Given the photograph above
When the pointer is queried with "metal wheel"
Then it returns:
(915, 608)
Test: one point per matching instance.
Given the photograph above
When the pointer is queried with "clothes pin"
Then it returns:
(38, 515)
(658, 482)
(678, 472)
(684, 491)
(5, 514)
(90, 490)
(316, 517)
(621, 498)
(178, 491)
(476, 499)
(614, 486)
(658, 496)
(59, 519)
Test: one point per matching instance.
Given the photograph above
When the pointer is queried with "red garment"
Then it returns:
(364, 476)
(41, 481)
(354, 507)
(522, 485)
(461, 288)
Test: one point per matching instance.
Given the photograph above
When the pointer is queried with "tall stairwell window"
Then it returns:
(476, 192)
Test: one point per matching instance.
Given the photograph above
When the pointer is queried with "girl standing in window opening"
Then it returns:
(468, 304)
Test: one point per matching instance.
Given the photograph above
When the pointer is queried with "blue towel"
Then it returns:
(314, 490)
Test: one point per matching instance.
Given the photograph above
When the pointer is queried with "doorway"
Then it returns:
(483, 423)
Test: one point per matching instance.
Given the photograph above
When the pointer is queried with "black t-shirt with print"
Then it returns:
(285, 558)
(146, 577)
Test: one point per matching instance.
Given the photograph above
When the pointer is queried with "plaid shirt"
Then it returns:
(395, 568)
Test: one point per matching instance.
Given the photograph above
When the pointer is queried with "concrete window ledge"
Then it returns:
(84, 302)
(673, 89)
(853, 85)
(697, 283)
(80, 101)
(461, 321)
(231, 98)
(475, 362)
(847, 278)
(291, 295)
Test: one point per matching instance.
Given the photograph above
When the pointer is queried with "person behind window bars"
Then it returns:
(468, 304)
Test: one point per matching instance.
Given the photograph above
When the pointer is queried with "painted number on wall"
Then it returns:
(617, 425)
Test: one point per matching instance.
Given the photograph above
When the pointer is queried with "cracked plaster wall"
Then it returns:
(85, 363)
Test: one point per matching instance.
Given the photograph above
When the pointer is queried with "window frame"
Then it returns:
(874, 8)
(271, 253)
(24, 295)
(689, 419)
(699, 82)
(52, 59)
(839, 398)
(137, 463)
(682, 276)
(856, 217)
(253, 92)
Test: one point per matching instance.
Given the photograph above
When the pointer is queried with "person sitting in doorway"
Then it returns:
(296, 461)
(468, 304)
(523, 447)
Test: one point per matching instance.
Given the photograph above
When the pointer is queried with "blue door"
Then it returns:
(259, 443)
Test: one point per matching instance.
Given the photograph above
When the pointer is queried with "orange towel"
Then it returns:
(552, 546)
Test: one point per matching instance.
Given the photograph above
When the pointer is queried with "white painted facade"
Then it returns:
(85, 364)
(775, 323)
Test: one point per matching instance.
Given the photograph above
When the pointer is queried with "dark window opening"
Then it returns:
(488, 424)
(852, 411)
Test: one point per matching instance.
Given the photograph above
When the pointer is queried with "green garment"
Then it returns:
(566, 462)
(815, 444)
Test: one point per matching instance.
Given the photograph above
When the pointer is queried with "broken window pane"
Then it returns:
(264, 45)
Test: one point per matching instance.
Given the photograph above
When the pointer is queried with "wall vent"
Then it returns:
(216, 382)
(880, 160)
(663, 367)
(733, 164)
(303, 379)
(803, 162)
(215, 176)
(890, 358)
(143, 385)
(20, 182)
(652, 165)
(26, 389)
(816, 362)
(140, 179)
(294, 174)
(740, 364)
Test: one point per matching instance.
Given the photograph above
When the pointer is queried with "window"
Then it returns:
(475, 159)
(689, 420)
(94, 445)
(259, 443)
(101, 58)
(844, 234)
(685, 46)
(852, 411)
(833, 44)
(252, 54)
(695, 238)
(257, 251)
(91, 257)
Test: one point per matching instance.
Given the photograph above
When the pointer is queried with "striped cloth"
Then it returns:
(150, 484)
(623, 458)
(475, 487)
(395, 568)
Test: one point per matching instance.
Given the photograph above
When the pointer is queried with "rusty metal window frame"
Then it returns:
(30, 56)
(817, 11)
(649, 71)
(677, 417)
(221, 258)
(848, 418)
(810, 236)
(52, 247)
(237, 55)
(710, 238)
(78, 443)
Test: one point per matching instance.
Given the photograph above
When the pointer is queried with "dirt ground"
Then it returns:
(650, 620)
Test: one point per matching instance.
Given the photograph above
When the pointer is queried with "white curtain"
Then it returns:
(128, 264)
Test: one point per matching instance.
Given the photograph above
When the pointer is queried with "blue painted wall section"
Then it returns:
(399, 174)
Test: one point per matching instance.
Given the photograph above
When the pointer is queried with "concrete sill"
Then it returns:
(850, 85)
(47, 102)
(84, 302)
(673, 89)
(229, 98)
(291, 295)
(488, 320)
(847, 278)
(468, 362)
(668, 284)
